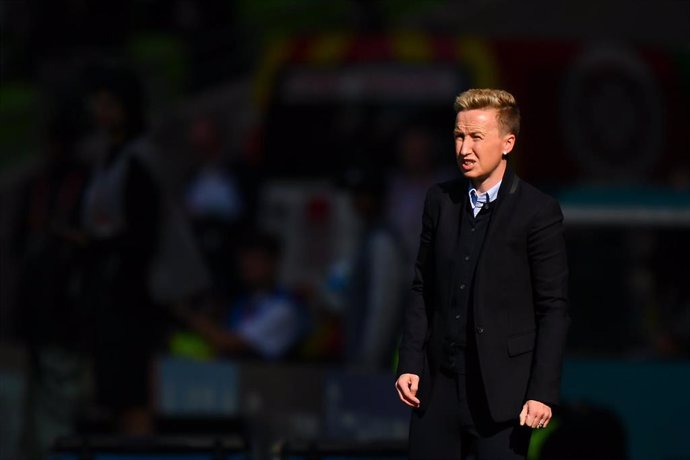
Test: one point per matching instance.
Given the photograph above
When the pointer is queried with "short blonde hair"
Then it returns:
(504, 102)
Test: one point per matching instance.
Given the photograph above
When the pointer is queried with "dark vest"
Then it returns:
(459, 324)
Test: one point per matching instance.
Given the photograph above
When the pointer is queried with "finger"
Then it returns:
(406, 402)
(546, 416)
(410, 396)
(406, 396)
(523, 415)
(414, 385)
(410, 402)
(543, 422)
(532, 419)
(400, 395)
(535, 418)
(547, 419)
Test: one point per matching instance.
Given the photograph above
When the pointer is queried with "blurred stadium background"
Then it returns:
(273, 118)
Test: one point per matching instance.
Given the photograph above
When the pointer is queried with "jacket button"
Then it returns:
(480, 330)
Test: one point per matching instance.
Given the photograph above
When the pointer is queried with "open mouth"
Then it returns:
(467, 164)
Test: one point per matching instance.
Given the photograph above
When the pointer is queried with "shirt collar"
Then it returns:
(492, 192)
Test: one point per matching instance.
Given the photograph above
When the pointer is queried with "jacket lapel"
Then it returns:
(458, 194)
(506, 194)
(503, 204)
(459, 198)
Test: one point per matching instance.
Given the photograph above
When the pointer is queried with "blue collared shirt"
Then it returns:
(476, 197)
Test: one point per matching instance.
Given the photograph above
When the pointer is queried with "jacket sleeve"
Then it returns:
(548, 265)
(417, 317)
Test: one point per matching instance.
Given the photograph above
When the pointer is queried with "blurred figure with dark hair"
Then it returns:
(48, 316)
(416, 172)
(377, 279)
(120, 219)
(266, 320)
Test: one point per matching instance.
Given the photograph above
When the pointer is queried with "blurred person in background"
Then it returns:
(416, 172)
(377, 279)
(120, 220)
(48, 314)
(482, 346)
(217, 204)
(265, 321)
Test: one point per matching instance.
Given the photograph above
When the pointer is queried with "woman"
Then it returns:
(120, 219)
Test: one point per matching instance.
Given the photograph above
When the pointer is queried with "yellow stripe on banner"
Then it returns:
(329, 49)
(278, 52)
(480, 61)
(411, 46)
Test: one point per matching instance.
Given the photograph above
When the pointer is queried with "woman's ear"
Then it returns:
(508, 144)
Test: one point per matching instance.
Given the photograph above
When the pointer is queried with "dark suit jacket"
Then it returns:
(520, 294)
